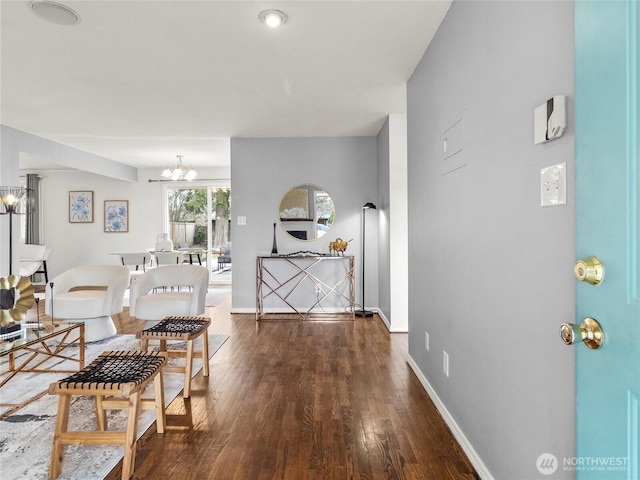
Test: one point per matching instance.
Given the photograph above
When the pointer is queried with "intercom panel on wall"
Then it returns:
(550, 119)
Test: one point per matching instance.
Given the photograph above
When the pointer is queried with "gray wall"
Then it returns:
(263, 170)
(491, 272)
(384, 233)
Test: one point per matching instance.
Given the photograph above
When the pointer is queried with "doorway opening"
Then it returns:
(199, 225)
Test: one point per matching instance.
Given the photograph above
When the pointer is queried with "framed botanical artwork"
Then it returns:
(81, 206)
(116, 215)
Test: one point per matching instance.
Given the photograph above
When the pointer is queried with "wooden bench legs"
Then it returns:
(188, 354)
(184, 329)
(107, 397)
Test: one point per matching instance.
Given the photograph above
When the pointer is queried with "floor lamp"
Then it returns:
(10, 197)
(362, 312)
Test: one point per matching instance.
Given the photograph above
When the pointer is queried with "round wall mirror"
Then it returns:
(306, 212)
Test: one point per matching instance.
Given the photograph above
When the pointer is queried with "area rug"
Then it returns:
(216, 295)
(26, 437)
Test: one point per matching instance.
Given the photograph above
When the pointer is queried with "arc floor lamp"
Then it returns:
(362, 312)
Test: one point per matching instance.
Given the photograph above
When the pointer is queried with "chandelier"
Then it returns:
(179, 172)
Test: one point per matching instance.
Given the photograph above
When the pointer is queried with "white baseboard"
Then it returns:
(338, 310)
(386, 321)
(243, 310)
(474, 458)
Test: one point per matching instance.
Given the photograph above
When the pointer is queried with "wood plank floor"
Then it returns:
(302, 400)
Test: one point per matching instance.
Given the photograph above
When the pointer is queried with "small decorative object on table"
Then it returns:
(163, 243)
(274, 249)
(338, 246)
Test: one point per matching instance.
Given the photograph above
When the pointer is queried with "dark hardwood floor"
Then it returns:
(301, 400)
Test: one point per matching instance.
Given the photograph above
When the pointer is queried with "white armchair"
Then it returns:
(149, 299)
(89, 294)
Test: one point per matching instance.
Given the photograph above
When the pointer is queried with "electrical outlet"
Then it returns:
(426, 341)
(445, 363)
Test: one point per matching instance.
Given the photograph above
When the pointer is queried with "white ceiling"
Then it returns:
(142, 81)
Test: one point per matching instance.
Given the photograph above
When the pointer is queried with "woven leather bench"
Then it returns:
(185, 329)
(116, 380)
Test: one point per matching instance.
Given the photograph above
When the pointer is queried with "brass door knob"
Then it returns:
(589, 331)
(589, 270)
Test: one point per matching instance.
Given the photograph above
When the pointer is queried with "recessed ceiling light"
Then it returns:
(273, 18)
(54, 12)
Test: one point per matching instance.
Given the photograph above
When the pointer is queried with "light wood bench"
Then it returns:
(186, 329)
(116, 380)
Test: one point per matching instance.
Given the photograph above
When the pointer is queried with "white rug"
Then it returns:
(26, 437)
(216, 295)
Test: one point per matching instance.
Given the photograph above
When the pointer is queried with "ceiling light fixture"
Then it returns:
(273, 18)
(54, 12)
(179, 172)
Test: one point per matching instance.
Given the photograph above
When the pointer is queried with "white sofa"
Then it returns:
(89, 294)
(161, 292)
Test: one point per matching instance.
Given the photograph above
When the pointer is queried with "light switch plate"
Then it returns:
(553, 185)
(242, 220)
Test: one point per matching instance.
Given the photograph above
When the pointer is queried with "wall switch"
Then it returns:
(242, 220)
(426, 341)
(553, 185)
(445, 363)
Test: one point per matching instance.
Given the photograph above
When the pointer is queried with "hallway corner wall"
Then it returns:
(491, 271)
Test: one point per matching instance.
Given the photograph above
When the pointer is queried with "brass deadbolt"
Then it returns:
(589, 331)
(589, 270)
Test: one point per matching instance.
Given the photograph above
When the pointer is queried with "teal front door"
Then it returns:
(607, 223)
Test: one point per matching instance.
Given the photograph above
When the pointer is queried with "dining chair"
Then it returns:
(137, 263)
(225, 256)
(169, 258)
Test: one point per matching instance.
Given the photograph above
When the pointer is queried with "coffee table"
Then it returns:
(33, 347)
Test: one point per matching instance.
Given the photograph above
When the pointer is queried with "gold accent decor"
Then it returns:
(589, 331)
(338, 246)
(589, 270)
(26, 300)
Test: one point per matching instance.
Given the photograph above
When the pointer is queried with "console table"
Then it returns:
(305, 287)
